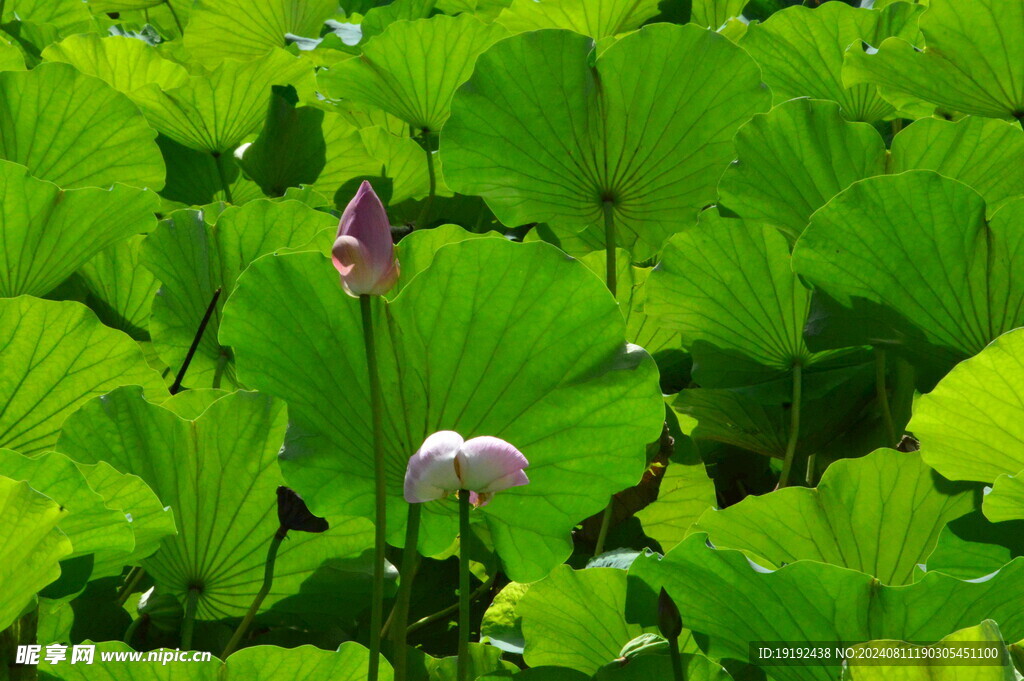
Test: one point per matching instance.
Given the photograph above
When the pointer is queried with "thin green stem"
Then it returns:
(134, 577)
(268, 580)
(882, 393)
(794, 425)
(218, 372)
(177, 21)
(610, 277)
(677, 659)
(464, 595)
(423, 219)
(810, 476)
(189, 621)
(380, 490)
(176, 386)
(218, 159)
(610, 272)
(440, 614)
(3, 7)
(400, 613)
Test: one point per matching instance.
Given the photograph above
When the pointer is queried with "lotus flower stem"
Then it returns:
(176, 386)
(794, 425)
(189, 621)
(218, 159)
(610, 275)
(400, 613)
(268, 580)
(422, 220)
(177, 21)
(380, 491)
(883, 398)
(464, 595)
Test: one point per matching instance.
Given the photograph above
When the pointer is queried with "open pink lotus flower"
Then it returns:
(445, 463)
(363, 251)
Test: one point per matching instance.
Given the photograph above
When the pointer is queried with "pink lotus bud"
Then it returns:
(363, 251)
(445, 463)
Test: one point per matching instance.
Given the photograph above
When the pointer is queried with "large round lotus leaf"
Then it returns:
(257, 663)
(980, 152)
(972, 640)
(971, 546)
(66, 16)
(801, 52)
(728, 288)
(795, 158)
(413, 68)
(238, 29)
(75, 130)
(120, 289)
(494, 338)
(595, 18)
(848, 518)
(30, 545)
(684, 494)
(150, 520)
(56, 356)
(915, 266)
(192, 259)
(48, 233)
(576, 619)
(92, 527)
(224, 459)
(734, 602)
(971, 426)
(972, 63)
(217, 110)
(547, 132)
(126, 64)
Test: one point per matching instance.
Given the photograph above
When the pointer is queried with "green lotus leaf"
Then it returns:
(92, 527)
(936, 285)
(194, 178)
(647, 667)
(66, 16)
(11, 58)
(581, 415)
(370, 151)
(795, 158)
(150, 520)
(290, 150)
(1006, 499)
(595, 18)
(801, 52)
(971, 425)
(48, 232)
(632, 284)
(125, 64)
(124, 5)
(217, 110)
(501, 626)
(416, 251)
(192, 259)
(714, 13)
(980, 152)
(121, 291)
(685, 493)
(56, 356)
(224, 459)
(236, 29)
(541, 674)
(849, 519)
(575, 619)
(377, 19)
(30, 545)
(257, 663)
(544, 135)
(972, 62)
(971, 546)
(971, 639)
(75, 130)
(727, 287)
(734, 602)
(413, 68)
